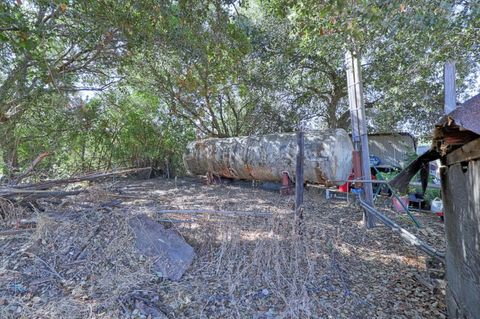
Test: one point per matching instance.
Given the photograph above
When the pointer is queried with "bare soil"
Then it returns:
(80, 261)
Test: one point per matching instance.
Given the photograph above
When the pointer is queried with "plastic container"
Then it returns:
(397, 206)
(356, 191)
(436, 206)
(344, 188)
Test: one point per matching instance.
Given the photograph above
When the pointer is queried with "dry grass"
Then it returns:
(261, 257)
(9, 213)
(245, 267)
(82, 256)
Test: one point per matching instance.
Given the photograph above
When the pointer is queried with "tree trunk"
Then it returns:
(331, 115)
(9, 151)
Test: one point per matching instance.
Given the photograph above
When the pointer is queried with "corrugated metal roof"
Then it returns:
(466, 116)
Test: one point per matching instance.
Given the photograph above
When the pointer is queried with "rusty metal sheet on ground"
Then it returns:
(173, 255)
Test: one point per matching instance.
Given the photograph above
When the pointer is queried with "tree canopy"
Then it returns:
(100, 84)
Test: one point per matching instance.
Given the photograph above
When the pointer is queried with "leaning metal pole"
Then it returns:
(410, 238)
(359, 129)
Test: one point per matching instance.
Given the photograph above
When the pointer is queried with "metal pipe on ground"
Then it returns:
(213, 212)
(394, 194)
(405, 234)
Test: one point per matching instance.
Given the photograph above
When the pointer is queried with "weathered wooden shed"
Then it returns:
(457, 141)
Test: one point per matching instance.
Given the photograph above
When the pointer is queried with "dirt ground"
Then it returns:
(80, 261)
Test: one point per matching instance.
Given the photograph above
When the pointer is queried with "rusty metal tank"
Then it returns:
(328, 156)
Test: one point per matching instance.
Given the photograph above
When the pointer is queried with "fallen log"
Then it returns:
(34, 194)
(89, 177)
(13, 232)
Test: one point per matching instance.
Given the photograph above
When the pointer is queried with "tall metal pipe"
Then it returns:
(328, 156)
(359, 127)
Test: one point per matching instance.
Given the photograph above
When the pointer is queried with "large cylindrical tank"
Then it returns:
(328, 156)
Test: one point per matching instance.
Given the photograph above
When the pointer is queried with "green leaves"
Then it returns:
(161, 72)
(403, 45)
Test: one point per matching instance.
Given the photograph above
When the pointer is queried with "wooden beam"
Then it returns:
(467, 152)
(299, 175)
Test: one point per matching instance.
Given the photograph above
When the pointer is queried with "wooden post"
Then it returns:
(299, 177)
(449, 87)
(359, 129)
